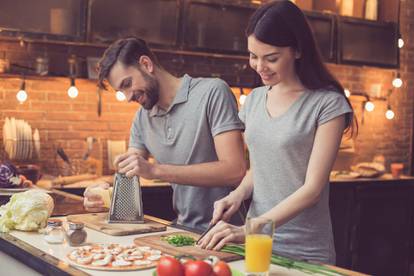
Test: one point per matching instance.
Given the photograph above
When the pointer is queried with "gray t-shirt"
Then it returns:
(184, 134)
(280, 149)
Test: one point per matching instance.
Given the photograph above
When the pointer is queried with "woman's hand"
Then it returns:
(93, 202)
(226, 207)
(221, 234)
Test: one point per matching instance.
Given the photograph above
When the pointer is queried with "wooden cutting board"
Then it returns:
(156, 242)
(99, 222)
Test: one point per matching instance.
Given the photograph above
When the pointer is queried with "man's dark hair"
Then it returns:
(127, 51)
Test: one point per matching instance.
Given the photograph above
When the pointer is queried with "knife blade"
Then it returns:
(205, 232)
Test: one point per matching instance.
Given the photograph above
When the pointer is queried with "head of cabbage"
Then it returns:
(27, 211)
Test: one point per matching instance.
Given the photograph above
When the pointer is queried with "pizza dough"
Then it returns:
(114, 257)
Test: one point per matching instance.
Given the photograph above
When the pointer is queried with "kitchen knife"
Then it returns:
(63, 155)
(205, 232)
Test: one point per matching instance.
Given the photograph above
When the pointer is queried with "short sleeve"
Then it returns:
(333, 104)
(242, 112)
(136, 140)
(222, 109)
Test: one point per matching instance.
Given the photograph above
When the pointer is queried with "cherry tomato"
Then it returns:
(222, 269)
(169, 266)
(198, 268)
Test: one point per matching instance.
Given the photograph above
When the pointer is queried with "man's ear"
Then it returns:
(146, 63)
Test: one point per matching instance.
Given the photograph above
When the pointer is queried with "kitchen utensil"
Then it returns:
(99, 222)
(36, 140)
(89, 143)
(63, 155)
(99, 92)
(205, 232)
(158, 241)
(126, 204)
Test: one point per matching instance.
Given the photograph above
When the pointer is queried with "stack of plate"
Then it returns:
(19, 143)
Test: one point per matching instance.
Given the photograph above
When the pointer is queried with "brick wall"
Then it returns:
(67, 122)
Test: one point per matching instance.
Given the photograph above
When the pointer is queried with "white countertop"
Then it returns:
(61, 250)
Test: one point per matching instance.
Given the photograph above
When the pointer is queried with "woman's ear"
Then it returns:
(146, 63)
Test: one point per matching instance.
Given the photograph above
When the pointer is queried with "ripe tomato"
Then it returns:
(169, 266)
(198, 268)
(222, 269)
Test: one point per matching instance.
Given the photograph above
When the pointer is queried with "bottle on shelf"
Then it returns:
(347, 7)
(371, 9)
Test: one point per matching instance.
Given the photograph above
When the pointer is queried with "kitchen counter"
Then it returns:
(384, 178)
(31, 250)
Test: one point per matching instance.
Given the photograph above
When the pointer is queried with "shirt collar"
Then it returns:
(180, 97)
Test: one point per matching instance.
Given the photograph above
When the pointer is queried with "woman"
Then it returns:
(294, 125)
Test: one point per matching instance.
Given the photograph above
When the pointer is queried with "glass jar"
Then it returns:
(54, 231)
(76, 235)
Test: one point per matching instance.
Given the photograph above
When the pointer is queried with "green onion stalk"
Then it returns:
(286, 262)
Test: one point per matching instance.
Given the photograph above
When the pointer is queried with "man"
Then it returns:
(189, 125)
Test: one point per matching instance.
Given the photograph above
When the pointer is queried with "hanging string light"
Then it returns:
(73, 91)
(347, 93)
(369, 106)
(120, 96)
(400, 42)
(389, 114)
(22, 95)
(397, 82)
(242, 97)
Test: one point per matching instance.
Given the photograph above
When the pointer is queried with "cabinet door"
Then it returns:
(368, 42)
(384, 229)
(216, 26)
(155, 21)
(341, 203)
(323, 28)
(64, 19)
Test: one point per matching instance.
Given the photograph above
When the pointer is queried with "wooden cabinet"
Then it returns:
(226, 34)
(324, 30)
(156, 20)
(384, 231)
(48, 19)
(365, 42)
(373, 226)
(341, 205)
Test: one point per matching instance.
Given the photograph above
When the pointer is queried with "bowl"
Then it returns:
(31, 172)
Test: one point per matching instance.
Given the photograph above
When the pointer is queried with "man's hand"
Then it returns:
(93, 202)
(131, 164)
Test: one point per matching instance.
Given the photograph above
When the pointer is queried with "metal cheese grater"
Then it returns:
(126, 204)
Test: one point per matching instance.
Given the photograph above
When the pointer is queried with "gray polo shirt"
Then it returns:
(184, 135)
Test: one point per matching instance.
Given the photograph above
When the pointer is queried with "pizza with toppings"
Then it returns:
(114, 257)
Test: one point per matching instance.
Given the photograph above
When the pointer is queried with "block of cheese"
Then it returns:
(106, 194)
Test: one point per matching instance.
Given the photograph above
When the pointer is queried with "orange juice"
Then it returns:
(258, 252)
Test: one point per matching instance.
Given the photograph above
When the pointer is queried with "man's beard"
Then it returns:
(151, 91)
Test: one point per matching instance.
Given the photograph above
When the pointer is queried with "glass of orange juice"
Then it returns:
(259, 239)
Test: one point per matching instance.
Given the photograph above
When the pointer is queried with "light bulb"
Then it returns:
(369, 106)
(242, 99)
(347, 93)
(389, 114)
(397, 82)
(21, 96)
(73, 92)
(120, 96)
(400, 43)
